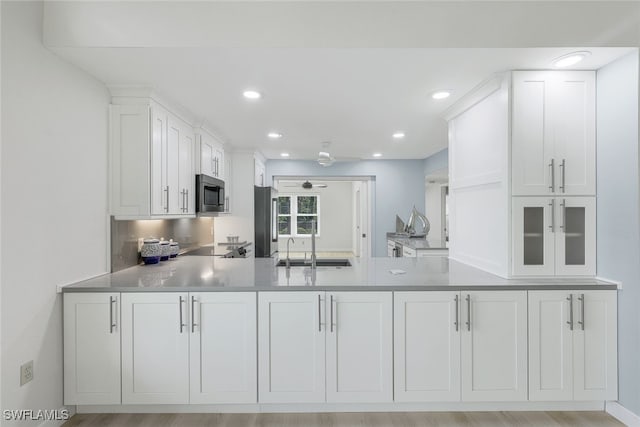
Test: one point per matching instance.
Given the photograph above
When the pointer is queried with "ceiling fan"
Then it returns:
(307, 185)
(326, 159)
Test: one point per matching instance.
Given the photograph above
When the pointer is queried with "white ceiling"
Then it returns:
(355, 98)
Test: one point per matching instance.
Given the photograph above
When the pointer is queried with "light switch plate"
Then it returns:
(26, 372)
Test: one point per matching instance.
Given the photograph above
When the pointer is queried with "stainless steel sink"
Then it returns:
(322, 262)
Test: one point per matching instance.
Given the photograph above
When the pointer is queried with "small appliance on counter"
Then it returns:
(266, 221)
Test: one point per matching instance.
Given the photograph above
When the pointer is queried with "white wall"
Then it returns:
(53, 200)
(433, 210)
(618, 227)
(336, 218)
(479, 184)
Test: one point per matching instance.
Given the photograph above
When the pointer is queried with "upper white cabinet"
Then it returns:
(211, 155)
(151, 162)
(572, 345)
(91, 348)
(554, 133)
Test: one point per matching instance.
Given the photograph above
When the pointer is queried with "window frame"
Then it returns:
(293, 214)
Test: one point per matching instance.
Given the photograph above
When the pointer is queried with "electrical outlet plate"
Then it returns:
(26, 372)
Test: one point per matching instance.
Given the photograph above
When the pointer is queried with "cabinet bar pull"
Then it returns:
(331, 310)
(186, 206)
(112, 321)
(581, 322)
(468, 312)
(563, 165)
(182, 325)
(166, 208)
(570, 321)
(457, 300)
(193, 314)
(564, 215)
(552, 166)
(319, 315)
(553, 215)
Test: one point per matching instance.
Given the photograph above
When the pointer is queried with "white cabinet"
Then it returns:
(494, 346)
(223, 348)
(91, 348)
(317, 347)
(553, 133)
(211, 156)
(360, 347)
(291, 343)
(155, 348)
(151, 163)
(554, 236)
(426, 346)
(572, 345)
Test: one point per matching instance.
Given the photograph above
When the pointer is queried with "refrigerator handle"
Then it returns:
(274, 220)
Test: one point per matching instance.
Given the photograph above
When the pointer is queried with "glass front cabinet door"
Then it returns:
(554, 236)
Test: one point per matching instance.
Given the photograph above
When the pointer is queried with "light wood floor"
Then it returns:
(382, 419)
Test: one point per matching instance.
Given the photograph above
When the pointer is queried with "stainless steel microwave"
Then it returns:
(209, 195)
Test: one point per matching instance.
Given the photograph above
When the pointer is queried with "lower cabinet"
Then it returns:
(309, 340)
(460, 345)
(572, 350)
(91, 348)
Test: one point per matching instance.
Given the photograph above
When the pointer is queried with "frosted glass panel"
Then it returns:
(574, 252)
(533, 236)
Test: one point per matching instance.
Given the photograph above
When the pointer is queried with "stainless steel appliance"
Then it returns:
(209, 195)
(266, 221)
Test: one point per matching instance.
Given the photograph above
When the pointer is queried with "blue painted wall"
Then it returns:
(399, 185)
(618, 234)
(436, 162)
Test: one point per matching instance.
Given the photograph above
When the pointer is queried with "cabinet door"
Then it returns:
(291, 347)
(223, 348)
(595, 345)
(550, 346)
(218, 155)
(426, 346)
(206, 156)
(534, 225)
(175, 133)
(494, 346)
(574, 130)
(186, 175)
(575, 252)
(532, 135)
(155, 348)
(159, 161)
(91, 348)
(360, 347)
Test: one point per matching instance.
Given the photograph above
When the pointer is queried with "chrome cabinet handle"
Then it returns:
(570, 321)
(186, 206)
(468, 312)
(182, 325)
(553, 215)
(457, 300)
(319, 314)
(193, 314)
(331, 310)
(563, 166)
(112, 320)
(166, 190)
(226, 202)
(581, 321)
(552, 166)
(564, 215)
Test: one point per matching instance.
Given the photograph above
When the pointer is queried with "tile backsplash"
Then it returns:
(188, 232)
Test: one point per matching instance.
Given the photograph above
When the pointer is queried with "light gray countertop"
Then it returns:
(202, 273)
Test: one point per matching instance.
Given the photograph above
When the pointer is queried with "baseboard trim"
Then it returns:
(347, 407)
(622, 414)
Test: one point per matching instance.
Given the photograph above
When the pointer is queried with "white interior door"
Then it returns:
(223, 347)
(494, 346)
(550, 346)
(426, 346)
(155, 348)
(575, 252)
(359, 347)
(91, 348)
(291, 347)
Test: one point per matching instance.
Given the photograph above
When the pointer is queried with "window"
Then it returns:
(296, 215)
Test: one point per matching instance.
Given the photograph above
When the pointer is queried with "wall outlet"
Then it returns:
(26, 372)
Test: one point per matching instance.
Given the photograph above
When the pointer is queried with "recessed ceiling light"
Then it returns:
(251, 94)
(441, 94)
(377, 154)
(284, 154)
(398, 135)
(274, 135)
(570, 59)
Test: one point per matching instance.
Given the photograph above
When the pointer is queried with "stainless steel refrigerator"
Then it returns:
(266, 221)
